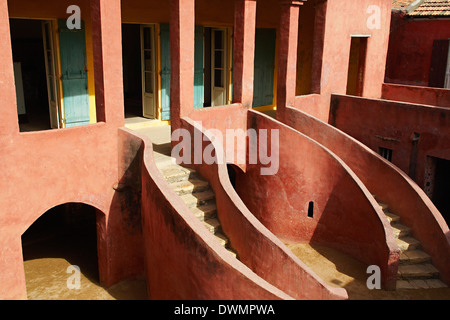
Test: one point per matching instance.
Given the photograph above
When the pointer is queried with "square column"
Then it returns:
(244, 51)
(107, 46)
(318, 43)
(287, 57)
(182, 49)
(9, 122)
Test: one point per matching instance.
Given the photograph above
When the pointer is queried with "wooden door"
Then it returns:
(198, 68)
(74, 75)
(218, 67)
(265, 42)
(439, 63)
(165, 71)
(50, 70)
(148, 71)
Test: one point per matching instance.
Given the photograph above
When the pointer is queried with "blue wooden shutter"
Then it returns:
(165, 71)
(198, 77)
(74, 75)
(265, 41)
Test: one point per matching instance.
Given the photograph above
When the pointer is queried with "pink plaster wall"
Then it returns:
(414, 94)
(411, 47)
(48, 168)
(368, 119)
(256, 246)
(343, 19)
(183, 259)
(392, 125)
(346, 217)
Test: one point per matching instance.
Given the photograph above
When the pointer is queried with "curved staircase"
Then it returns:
(416, 270)
(196, 193)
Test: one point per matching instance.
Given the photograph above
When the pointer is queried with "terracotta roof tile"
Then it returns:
(401, 4)
(432, 8)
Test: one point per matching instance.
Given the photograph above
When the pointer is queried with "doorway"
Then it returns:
(356, 66)
(63, 237)
(132, 71)
(265, 44)
(50, 69)
(35, 74)
(217, 66)
(139, 70)
(441, 188)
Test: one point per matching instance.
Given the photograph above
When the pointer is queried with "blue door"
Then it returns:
(265, 41)
(165, 71)
(199, 88)
(74, 75)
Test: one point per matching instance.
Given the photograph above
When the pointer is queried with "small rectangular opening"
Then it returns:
(386, 153)
(311, 210)
(357, 65)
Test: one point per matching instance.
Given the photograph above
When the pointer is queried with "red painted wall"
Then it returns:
(48, 168)
(402, 194)
(344, 217)
(414, 94)
(182, 258)
(343, 19)
(410, 49)
(367, 120)
(257, 247)
(388, 124)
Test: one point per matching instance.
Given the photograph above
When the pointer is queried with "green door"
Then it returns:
(265, 41)
(74, 75)
(199, 94)
(165, 71)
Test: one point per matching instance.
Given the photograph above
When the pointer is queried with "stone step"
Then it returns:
(189, 186)
(230, 250)
(392, 217)
(213, 225)
(414, 257)
(198, 198)
(407, 243)
(223, 240)
(196, 194)
(175, 173)
(400, 230)
(417, 271)
(205, 212)
(420, 284)
(164, 161)
(383, 206)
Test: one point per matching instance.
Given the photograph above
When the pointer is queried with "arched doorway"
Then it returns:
(60, 254)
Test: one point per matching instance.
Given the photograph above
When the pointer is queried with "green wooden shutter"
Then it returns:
(265, 41)
(165, 71)
(198, 77)
(74, 75)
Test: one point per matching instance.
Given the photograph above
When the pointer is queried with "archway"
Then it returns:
(60, 254)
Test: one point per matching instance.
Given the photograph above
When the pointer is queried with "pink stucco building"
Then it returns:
(319, 64)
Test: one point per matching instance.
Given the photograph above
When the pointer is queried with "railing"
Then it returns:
(256, 246)
(183, 260)
(346, 217)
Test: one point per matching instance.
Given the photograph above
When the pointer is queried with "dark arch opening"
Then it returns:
(63, 236)
(232, 174)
